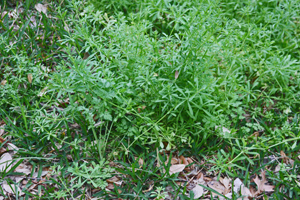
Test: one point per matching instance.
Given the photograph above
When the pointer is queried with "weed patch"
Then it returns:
(104, 98)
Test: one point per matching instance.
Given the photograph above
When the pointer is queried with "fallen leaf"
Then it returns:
(174, 161)
(43, 92)
(183, 160)
(261, 184)
(2, 130)
(198, 191)
(298, 183)
(112, 179)
(41, 8)
(29, 77)
(22, 168)
(13, 14)
(217, 186)
(33, 22)
(5, 162)
(176, 74)
(279, 166)
(176, 168)
(110, 186)
(141, 162)
(237, 185)
(35, 174)
(9, 189)
(3, 14)
(226, 182)
(18, 179)
(12, 147)
(286, 159)
(246, 192)
(2, 150)
(3, 82)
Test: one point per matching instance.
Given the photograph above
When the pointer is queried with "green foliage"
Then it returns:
(116, 78)
(93, 174)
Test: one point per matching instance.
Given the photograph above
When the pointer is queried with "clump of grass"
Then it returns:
(120, 78)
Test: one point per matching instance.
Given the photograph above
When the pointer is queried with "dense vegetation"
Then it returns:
(92, 82)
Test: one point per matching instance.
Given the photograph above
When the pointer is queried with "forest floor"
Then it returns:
(149, 99)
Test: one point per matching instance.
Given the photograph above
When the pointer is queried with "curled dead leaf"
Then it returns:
(183, 160)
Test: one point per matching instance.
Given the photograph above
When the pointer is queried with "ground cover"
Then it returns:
(149, 99)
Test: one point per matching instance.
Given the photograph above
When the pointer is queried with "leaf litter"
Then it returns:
(196, 181)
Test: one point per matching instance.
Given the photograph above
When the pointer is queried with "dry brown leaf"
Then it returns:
(110, 186)
(176, 74)
(174, 161)
(35, 174)
(226, 182)
(22, 168)
(176, 168)
(3, 82)
(252, 190)
(189, 160)
(200, 176)
(198, 191)
(183, 160)
(278, 167)
(5, 162)
(13, 14)
(261, 184)
(286, 159)
(141, 162)
(237, 185)
(33, 22)
(2, 150)
(12, 147)
(246, 192)
(2, 130)
(41, 8)
(3, 14)
(112, 179)
(10, 189)
(43, 92)
(29, 77)
(216, 185)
